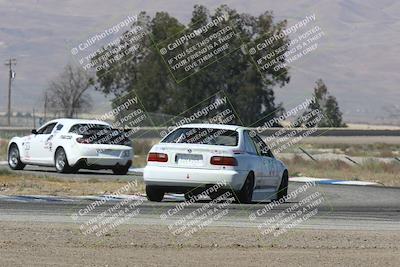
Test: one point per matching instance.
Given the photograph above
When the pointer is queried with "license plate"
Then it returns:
(189, 159)
(108, 153)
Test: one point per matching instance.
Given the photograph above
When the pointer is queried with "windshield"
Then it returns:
(205, 136)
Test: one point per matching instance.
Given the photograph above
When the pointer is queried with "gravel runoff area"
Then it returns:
(62, 244)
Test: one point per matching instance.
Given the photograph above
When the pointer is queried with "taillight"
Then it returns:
(226, 161)
(159, 157)
(82, 140)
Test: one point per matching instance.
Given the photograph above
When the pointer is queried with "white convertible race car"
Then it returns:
(72, 144)
(196, 157)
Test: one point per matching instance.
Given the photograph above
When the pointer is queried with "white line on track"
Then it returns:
(329, 181)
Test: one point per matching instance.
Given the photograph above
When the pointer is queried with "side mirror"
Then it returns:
(34, 131)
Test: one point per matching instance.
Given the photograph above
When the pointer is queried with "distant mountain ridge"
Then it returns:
(358, 59)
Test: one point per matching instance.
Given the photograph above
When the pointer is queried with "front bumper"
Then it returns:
(189, 177)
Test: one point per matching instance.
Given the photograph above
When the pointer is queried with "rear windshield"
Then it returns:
(86, 128)
(101, 134)
(204, 136)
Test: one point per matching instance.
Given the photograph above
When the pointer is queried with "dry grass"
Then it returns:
(361, 150)
(16, 184)
(142, 146)
(3, 149)
(139, 161)
(384, 173)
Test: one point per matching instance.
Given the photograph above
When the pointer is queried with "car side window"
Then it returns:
(257, 145)
(49, 128)
(46, 129)
(59, 127)
(249, 145)
(41, 130)
(262, 148)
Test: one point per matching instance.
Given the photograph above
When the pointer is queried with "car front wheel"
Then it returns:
(121, 170)
(14, 160)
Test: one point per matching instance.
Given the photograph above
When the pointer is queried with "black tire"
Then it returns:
(283, 187)
(61, 161)
(215, 195)
(245, 195)
(154, 193)
(189, 195)
(121, 170)
(14, 160)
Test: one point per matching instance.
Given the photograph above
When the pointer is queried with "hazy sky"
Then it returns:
(358, 57)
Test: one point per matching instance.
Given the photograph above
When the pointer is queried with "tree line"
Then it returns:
(250, 93)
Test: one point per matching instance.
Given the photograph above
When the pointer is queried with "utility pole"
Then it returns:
(34, 118)
(10, 63)
(45, 106)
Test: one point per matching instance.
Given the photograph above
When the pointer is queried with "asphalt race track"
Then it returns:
(82, 174)
(342, 207)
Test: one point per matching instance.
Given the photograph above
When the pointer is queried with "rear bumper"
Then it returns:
(190, 177)
(85, 163)
(89, 154)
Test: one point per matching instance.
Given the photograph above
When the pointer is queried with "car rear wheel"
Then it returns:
(245, 195)
(283, 187)
(154, 193)
(121, 170)
(61, 161)
(14, 160)
(215, 195)
(189, 195)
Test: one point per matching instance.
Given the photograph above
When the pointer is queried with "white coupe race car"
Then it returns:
(72, 144)
(196, 157)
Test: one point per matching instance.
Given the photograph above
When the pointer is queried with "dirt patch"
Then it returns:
(43, 244)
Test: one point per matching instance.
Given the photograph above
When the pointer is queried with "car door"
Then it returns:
(276, 167)
(271, 177)
(254, 160)
(41, 145)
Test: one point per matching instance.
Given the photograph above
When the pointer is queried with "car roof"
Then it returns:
(70, 122)
(213, 126)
